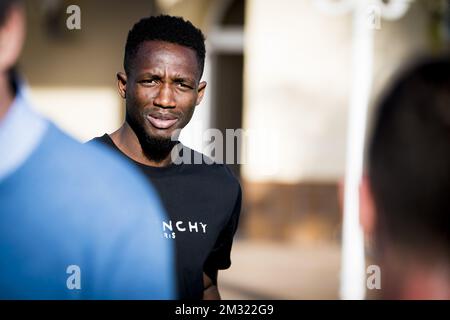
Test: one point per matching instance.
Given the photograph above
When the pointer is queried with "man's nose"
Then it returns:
(165, 97)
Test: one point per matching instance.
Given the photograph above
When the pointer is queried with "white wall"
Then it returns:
(297, 78)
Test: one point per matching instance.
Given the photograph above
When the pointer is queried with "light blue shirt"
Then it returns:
(20, 133)
(76, 221)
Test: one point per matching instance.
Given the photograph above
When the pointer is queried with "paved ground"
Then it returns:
(265, 270)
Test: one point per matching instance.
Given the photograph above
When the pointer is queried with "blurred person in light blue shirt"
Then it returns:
(68, 230)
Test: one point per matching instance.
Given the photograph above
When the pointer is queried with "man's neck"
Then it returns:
(6, 96)
(127, 141)
(409, 277)
(426, 284)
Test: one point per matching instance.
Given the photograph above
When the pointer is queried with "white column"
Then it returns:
(353, 265)
(366, 19)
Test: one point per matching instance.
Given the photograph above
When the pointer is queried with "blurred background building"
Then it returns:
(280, 69)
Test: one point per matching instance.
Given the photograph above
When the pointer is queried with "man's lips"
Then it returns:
(162, 121)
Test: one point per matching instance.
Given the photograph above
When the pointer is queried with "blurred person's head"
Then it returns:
(12, 34)
(164, 61)
(406, 193)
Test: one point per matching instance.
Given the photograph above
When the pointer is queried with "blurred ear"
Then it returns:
(201, 92)
(367, 213)
(122, 84)
(12, 36)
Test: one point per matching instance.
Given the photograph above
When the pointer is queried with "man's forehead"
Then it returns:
(155, 53)
(148, 49)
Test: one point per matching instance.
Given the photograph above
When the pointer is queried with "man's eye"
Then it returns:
(149, 81)
(183, 85)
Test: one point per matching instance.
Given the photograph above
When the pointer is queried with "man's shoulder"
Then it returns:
(104, 139)
(85, 195)
(76, 153)
(207, 166)
(88, 163)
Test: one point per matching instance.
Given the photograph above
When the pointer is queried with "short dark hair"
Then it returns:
(409, 159)
(165, 28)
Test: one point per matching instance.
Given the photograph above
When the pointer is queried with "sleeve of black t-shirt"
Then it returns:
(219, 257)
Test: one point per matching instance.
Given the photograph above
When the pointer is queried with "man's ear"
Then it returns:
(367, 215)
(201, 92)
(12, 37)
(122, 84)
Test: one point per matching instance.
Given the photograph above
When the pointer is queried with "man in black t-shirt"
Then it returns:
(164, 60)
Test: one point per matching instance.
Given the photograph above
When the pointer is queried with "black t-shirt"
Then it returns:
(203, 204)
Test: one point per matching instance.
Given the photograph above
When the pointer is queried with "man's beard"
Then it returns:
(154, 148)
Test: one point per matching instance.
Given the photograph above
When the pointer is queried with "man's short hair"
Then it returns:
(165, 28)
(409, 160)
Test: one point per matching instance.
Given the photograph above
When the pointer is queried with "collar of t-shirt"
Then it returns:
(21, 131)
(170, 169)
